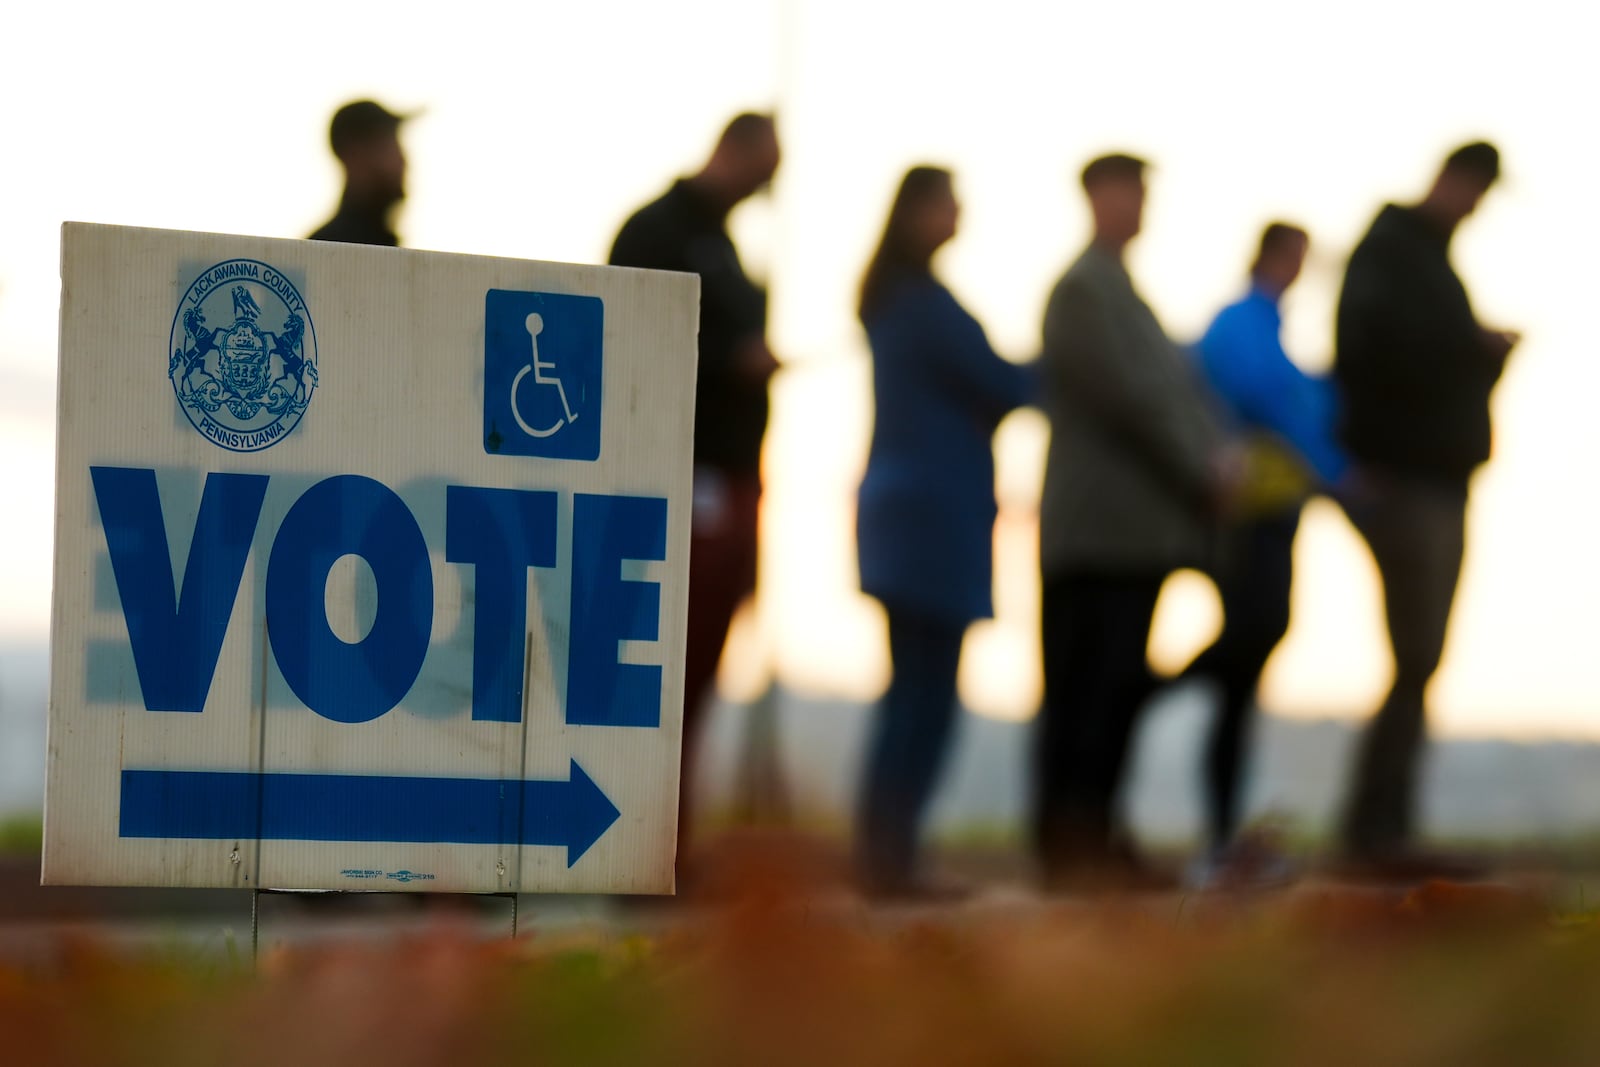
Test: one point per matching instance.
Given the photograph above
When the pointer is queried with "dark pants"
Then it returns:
(1417, 533)
(722, 573)
(910, 737)
(1254, 578)
(1094, 630)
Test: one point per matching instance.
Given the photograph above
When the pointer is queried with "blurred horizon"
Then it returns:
(544, 128)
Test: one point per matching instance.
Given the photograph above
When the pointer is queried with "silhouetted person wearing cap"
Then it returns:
(686, 230)
(365, 137)
(1416, 369)
(1134, 472)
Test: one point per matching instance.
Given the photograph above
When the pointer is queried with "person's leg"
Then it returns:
(1417, 537)
(1126, 679)
(1094, 630)
(1255, 586)
(910, 736)
(1065, 642)
(722, 569)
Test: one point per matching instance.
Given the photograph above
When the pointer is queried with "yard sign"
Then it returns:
(370, 568)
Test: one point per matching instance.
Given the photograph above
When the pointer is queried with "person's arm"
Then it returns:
(1142, 396)
(1244, 359)
(961, 355)
(733, 309)
(1404, 321)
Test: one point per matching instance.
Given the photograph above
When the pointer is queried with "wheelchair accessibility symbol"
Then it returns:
(535, 323)
(542, 374)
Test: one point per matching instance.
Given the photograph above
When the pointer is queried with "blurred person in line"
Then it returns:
(925, 522)
(686, 230)
(1136, 469)
(1416, 369)
(1287, 420)
(365, 137)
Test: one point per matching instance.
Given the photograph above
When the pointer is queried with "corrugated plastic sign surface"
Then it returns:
(371, 568)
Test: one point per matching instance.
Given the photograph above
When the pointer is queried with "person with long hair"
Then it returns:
(926, 514)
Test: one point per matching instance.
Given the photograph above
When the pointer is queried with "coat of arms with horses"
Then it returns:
(243, 361)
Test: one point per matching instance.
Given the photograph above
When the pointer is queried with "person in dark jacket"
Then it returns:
(926, 514)
(1416, 369)
(365, 136)
(686, 230)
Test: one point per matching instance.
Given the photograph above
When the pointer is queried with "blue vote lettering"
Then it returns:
(606, 609)
(341, 516)
(176, 638)
(176, 642)
(501, 533)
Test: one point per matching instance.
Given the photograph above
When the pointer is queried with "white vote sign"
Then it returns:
(371, 568)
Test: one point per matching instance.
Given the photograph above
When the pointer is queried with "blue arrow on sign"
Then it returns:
(247, 805)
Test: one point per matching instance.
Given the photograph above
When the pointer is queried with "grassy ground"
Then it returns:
(1446, 974)
(21, 835)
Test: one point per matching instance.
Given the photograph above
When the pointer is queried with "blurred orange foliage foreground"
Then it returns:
(1318, 975)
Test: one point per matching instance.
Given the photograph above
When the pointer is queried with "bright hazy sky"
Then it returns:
(547, 124)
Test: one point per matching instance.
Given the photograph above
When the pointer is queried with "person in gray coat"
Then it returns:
(1137, 466)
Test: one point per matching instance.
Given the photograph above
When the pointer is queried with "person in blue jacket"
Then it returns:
(926, 514)
(1287, 419)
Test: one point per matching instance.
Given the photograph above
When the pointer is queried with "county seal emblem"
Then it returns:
(244, 383)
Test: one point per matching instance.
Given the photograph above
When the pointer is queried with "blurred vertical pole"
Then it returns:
(261, 777)
(761, 795)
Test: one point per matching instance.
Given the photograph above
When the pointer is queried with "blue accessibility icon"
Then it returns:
(542, 374)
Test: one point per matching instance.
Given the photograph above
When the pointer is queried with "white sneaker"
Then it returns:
(1253, 860)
